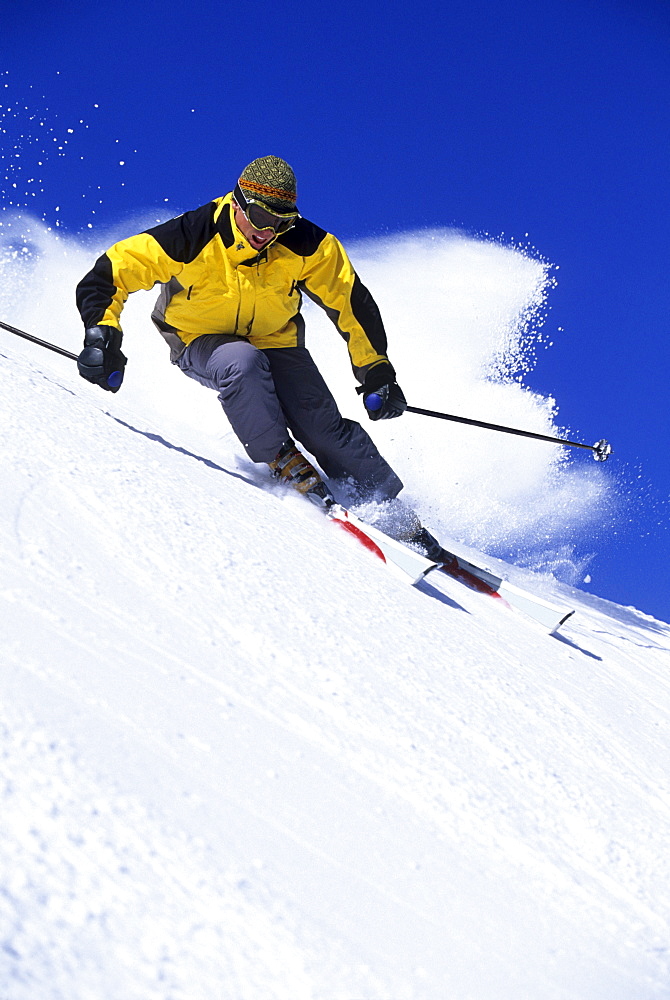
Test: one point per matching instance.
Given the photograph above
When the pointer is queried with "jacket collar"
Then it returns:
(238, 249)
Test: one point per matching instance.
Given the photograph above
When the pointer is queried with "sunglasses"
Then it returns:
(260, 218)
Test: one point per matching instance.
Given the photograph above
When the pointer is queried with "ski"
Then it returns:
(414, 567)
(402, 561)
(551, 616)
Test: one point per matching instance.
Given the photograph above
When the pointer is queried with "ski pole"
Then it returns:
(601, 449)
(36, 340)
(114, 379)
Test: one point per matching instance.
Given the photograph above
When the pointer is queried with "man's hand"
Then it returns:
(382, 396)
(101, 361)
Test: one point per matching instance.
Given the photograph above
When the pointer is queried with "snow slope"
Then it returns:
(241, 760)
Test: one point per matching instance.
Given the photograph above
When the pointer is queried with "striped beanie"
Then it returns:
(272, 181)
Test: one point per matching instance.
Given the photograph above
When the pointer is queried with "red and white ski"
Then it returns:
(414, 567)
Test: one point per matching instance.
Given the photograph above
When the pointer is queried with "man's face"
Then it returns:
(258, 238)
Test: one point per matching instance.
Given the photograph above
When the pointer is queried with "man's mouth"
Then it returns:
(260, 240)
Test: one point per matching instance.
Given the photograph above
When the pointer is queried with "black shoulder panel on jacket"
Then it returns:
(225, 228)
(96, 291)
(304, 239)
(183, 238)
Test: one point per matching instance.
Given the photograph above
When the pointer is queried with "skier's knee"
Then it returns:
(242, 363)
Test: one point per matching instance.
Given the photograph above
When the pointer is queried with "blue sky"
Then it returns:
(545, 123)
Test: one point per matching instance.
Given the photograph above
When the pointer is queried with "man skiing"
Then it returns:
(232, 274)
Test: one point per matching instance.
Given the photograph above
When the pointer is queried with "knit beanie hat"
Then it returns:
(272, 181)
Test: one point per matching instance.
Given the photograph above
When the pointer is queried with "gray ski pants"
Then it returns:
(271, 395)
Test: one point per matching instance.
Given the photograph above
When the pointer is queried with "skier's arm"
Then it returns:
(130, 265)
(141, 261)
(331, 281)
(133, 264)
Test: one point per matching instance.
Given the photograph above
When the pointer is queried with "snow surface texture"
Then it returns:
(240, 759)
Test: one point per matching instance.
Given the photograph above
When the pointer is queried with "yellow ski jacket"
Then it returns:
(215, 282)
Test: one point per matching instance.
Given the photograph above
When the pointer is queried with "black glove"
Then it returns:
(382, 396)
(101, 361)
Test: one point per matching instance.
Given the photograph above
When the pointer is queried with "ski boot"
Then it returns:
(292, 468)
(429, 546)
(400, 521)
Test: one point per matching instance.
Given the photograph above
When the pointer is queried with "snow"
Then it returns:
(241, 759)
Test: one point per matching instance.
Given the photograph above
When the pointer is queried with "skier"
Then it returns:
(232, 274)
